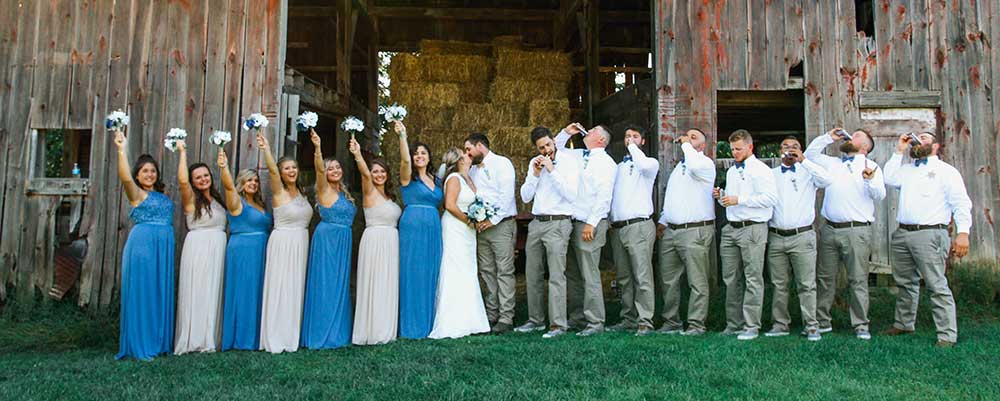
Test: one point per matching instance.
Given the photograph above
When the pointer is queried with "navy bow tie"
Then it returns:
(627, 158)
(846, 159)
(787, 169)
(682, 160)
(740, 165)
(586, 153)
(918, 162)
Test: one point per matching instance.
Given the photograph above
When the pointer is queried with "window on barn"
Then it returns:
(60, 153)
(770, 116)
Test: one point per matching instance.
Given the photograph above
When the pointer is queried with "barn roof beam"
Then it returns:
(475, 14)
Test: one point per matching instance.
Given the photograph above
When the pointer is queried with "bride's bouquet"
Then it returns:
(481, 210)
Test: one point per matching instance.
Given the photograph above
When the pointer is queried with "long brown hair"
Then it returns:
(388, 179)
(343, 183)
(200, 201)
(287, 159)
(241, 181)
(141, 162)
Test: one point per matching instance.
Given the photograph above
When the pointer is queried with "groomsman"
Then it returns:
(686, 233)
(931, 194)
(750, 194)
(494, 177)
(856, 183)
(632, 232)
(551, 182)
(590, 225)
(791, 243)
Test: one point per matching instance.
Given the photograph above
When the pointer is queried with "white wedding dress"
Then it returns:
(458, 307)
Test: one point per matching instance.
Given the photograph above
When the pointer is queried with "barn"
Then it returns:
(775, 67)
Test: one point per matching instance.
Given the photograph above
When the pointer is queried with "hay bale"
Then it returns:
(539, 65)
(483, 117)
(405, 67)
(434, 118)
(442, 140)
(524, 90)
(474, 92)
(422, 94)
(454, 47)
(513, 142)
(550, 113)
(455, 68)
(506, 42)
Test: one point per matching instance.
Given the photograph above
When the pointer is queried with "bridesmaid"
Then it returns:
(419, 238)
(203, 259)
(147, 297)
(326, 322)
(249, 225)
(287, 252)
(376, 316)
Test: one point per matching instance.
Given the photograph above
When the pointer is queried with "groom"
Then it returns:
(494, 178)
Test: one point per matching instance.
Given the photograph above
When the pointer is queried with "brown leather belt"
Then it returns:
(551, 217)
(620, 224)
(791, 232)
(919, 227)
(690, 225)
(741, 224)
(848, 224)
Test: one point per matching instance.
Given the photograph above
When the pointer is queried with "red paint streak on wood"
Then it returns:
(889, 87)
(848, 75)
(975, 76)
(900, 14)
(185, 4)
(178, 57)
(907, 33)
(985, 170)
(939, 58)
(989, 216)
(866, 68)
(886, 49)
(811, 91)
(884, 5)
(670, 33)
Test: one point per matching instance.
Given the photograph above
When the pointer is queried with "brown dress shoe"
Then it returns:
(944, 344)
(895, 331)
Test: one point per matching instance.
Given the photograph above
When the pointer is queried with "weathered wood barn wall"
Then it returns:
(194, 64)
(928, 54)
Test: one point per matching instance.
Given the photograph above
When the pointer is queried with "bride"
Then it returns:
(458, 308)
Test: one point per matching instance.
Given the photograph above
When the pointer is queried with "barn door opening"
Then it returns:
(770, 116)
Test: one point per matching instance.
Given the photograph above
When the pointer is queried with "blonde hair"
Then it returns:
(241, 181)
(450, 160)
(343, 183)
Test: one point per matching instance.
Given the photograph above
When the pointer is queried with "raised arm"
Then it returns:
(700, 166)
(405, 169)
(815, 149)
(322, 186)
(647, 166)
(531, 180)
(233, 202)
(184, 181)
(277, 188)
(366, 174)
(452, 187)
(134, 194)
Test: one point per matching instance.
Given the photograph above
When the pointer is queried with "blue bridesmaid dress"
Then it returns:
(147, 303)
(327, 318)
(244, 280)
(419, 257)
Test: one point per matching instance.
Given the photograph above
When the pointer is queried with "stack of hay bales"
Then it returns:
(454, 88)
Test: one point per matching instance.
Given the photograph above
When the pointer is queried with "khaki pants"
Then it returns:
(742, 251)
(495, 256)
(583, 276)
(794, 254)
(685, 251)
(922, 254)
(546, 245)
(632, 250)
(851, 247)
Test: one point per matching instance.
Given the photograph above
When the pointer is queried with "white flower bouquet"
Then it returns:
(221, 138)
(306, 120)
(117, 120)
(393, 113)
(481, 210)
(173, 136)
(353, 125)
(256, 121)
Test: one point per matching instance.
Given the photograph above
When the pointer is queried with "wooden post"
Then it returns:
(591, 52)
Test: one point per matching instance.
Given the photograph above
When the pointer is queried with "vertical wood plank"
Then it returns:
(85, 45)
(919, 17)
(54, 73)
(902, 49)
(215, 74)
(816, 118)
(757, 71)
(794, 35)
(884, 38)
(847, 63)
(993, 11)
(253, 85)
(739, 44)
(777, 72)
(235, 49)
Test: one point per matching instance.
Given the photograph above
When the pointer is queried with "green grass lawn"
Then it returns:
(63, 354)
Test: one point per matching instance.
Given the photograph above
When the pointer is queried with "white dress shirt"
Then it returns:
(688, 197)
(633, 193)
(553, 192)
(754, 186)
(929, 194)
(597, 181)
(849, 197)
(494, 179)
(797, 186)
